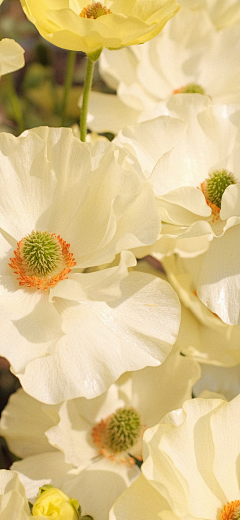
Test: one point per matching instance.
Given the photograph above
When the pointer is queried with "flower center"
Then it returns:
(41, 260)
(95, 10)
(191, 88)
(231, 510)
(123, 428)
(213, 188)
(119, 433)
(41, 252)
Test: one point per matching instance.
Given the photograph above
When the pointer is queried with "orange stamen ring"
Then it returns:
(229, 509)
(30, 280)
(99, 435)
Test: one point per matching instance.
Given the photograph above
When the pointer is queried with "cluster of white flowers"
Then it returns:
(120, 272)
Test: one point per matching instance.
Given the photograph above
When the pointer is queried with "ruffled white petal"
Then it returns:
(218, 284)
(45, 468)
(224, 381)
(29, 322)
(108, 112)
(139, 502)
(11, 56)
(202, 335)
(172, 382)
(99, 285)
(24, 423)
(13, 500)
(72, 435)
(97, 487)
(183, 460)
(226, 448)
(102, 341)
(52, 183)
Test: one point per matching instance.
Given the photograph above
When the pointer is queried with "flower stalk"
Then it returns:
(86, 92)
(67, 84)
(17, 109)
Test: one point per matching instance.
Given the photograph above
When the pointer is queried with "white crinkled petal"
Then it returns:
(13, 500)
(221, 380)
(90, 485)
(52, 183)
(29, 322)
(149, 140)
(172, 382)
(38, 470)
(102, 341)
(230, 206)
(218, 283)
(93, 410)
(108, 112)
(99, 285)
(224, 14)
(11, 56)
(229, 445)
(181, 458)
(72, 435)
(195, 452)
(24, 423)
(202, 335)
(28, 186)
(139, 502)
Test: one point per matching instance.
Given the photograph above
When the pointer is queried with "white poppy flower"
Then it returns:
(197, 188)
(11, 56)
(204, 141)
(66, 206)
(101, 437)
(191, 466)
(187, 148)
(190, 55)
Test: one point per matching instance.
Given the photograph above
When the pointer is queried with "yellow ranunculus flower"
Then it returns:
(52, 503)
(87, 26)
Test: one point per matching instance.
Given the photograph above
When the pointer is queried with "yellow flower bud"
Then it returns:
(52, 503)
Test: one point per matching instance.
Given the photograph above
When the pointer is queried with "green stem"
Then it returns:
(68, 83)
(17, 110)
(86, 92)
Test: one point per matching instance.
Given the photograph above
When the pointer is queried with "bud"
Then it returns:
(55, 505)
